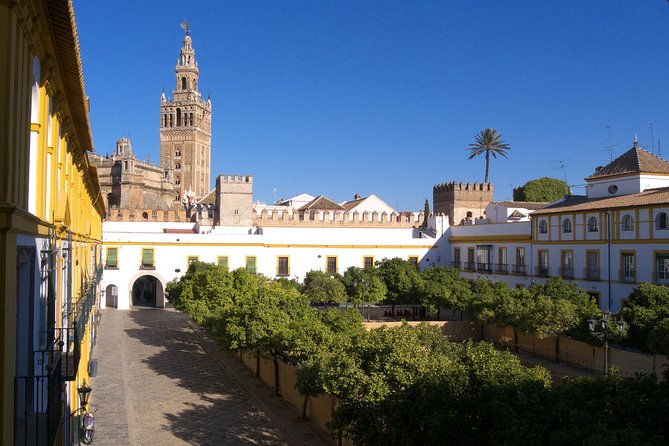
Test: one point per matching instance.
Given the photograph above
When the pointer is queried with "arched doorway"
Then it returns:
(147, 291)
(111, 296)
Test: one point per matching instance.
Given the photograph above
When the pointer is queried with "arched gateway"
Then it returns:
(147, 291)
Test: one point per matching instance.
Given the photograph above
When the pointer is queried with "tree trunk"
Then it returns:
(515, 340)
(276, 375)
(305, 402)
(257, 363)
(487, 165)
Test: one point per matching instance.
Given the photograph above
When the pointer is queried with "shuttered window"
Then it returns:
(251, 264)
(147, 258)
(112, 255)
(331, 265)
(282, 268)
(223, 261)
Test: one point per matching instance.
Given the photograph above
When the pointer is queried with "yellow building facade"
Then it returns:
(51, 213)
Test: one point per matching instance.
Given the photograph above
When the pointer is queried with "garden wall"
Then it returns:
(577, 353)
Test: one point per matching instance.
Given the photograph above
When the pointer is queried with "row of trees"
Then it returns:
(543, 310)
(410, 385)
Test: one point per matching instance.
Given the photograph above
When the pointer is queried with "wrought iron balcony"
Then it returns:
(519, 269)
(484, 267)
(628, 276)
(38, 405)
(591, 273)
(469, 266)
(542, 271)
(567, 272)
(456, 265)
(501, 268)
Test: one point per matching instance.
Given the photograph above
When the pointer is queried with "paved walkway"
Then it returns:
(161, 381)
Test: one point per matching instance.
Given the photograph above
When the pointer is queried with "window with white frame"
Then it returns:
(628, 266)
(661, 221)
(592, 224)
(662, 267)
(543, 227)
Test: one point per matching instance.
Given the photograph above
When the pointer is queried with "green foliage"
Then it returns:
(482, 305)
(411, 386)
(203, 292)
(610, 410)
(321, 287)
(646, 312)
(358, 281)
(488, 142)
(444, 287)
(403, 282)
(542, 189)
(556, 307)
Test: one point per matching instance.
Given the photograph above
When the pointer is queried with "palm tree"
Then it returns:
(489, 141)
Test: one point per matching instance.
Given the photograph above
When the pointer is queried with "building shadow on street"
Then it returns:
(219, 411)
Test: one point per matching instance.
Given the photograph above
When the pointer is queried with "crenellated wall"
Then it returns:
(330, 218)
(458, 199)
(234, 200)
(146, 215)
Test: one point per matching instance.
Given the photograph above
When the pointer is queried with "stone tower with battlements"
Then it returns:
(234, 200)
(185, 128)
(462, 202)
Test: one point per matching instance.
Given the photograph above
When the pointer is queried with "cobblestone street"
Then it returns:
(161, 381)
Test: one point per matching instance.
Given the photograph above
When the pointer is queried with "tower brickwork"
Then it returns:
(185, 128)
(234, 200)
(461, 201)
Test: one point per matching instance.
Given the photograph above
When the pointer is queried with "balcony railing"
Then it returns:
(484, 267)
(457, 265)
(591, 273)
(567, 272)
(86, 301)
(469, 266)
(661, 277)
(69, 347)
(628, 276)
(38, 402)
(542, 271)
(501, 268)
(519, 269)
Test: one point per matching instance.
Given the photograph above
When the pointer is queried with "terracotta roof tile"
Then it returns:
(529, 205)
(321, 203)
(648, 197)
(635, 160)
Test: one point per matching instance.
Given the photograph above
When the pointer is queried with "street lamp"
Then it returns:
(365, 285)
(84, 393)
(604, 323)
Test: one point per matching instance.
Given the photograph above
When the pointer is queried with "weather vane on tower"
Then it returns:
(185, 26)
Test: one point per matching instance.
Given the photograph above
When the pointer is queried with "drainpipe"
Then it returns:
(608, 253)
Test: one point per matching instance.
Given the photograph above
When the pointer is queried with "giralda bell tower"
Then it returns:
(185, 127)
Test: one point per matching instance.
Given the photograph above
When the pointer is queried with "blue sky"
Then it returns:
(383, 97)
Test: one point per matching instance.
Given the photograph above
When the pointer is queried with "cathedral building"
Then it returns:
(185, 128)
(185, 152)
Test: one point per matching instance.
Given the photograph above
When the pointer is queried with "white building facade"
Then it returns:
(608, 242)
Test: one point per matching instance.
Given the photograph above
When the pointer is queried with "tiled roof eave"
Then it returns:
(61, 14)
(644, 199)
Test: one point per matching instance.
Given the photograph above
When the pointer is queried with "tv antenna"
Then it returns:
(652, 136)
(610, 146)
(563, 164)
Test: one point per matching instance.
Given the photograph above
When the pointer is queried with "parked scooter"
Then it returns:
(88, 428)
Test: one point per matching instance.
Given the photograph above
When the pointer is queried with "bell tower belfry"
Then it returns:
(185, 127)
